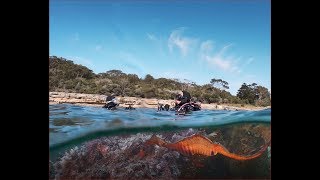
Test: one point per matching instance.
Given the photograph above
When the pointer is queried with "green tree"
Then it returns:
(115, 73)
(263, 96)
(133, 78)
(253, 93)
(219, 83)
(148, 78)
(262, 92)
(247, 92)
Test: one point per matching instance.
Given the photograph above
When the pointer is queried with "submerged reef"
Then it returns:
(128, 157)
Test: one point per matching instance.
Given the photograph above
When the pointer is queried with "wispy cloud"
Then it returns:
(249, 61)
(206, 46)
(151, 37)
(98, 48)
(218, 59)
(132, 63)
(76, 37)
(176, 39)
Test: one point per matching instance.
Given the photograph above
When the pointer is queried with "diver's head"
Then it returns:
(179, 95)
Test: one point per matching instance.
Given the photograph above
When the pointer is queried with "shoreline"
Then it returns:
(97, 100)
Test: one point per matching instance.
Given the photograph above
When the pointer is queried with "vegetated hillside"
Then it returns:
(66, 76)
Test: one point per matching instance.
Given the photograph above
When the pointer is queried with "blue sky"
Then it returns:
(197, 41)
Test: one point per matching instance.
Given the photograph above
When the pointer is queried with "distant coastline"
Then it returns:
(99, 100)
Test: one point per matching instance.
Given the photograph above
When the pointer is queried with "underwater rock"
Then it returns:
(51, 170)
(246, 139)
(118, 157)
(128, 157)
(213, 134)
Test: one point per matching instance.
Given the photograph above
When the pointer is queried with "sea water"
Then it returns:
(240, 131)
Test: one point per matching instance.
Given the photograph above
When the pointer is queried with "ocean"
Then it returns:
(111, 143)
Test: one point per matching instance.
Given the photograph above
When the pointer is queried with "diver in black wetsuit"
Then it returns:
(111, 102)
(167, 107)
(182, 98)
(130, 108)
(162, 107)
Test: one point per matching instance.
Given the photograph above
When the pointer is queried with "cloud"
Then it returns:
(206, 46)
(219, 62)
(218, 59)
(151, 37)
(249, 61)
(98, 48)
(76, 37)
(181, 42)
(131, 63)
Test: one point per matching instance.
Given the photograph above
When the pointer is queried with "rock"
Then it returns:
(151, 101)
(118, 157)
(53, 93)
(214, 134)
(51, 170)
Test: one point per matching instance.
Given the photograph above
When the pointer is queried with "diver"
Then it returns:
(167, 107)
(182, 98)
(183, 102)
(130, 108)
(111, 102)
(162, 107)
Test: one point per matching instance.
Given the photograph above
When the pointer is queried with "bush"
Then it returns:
(66, 76)
(263, 102)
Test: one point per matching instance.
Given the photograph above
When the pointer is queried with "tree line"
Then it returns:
(66, 76)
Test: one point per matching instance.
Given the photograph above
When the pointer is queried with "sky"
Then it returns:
(189, 40)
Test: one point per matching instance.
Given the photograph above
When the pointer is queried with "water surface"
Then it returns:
(67, 122)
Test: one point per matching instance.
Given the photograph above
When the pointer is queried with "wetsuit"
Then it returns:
(185, 98)
(110, 102)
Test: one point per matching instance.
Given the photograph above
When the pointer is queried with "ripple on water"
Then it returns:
(75, 120)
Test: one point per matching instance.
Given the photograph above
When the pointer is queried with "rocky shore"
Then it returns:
(99, 100)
